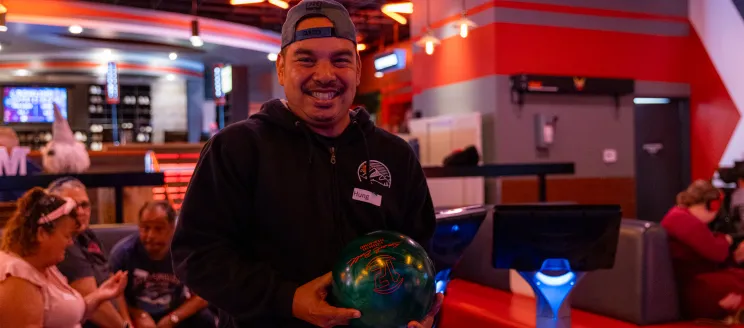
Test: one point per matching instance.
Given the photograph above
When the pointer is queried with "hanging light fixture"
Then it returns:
(279, 3)
(394, 11)
(3, 11)
(195, 39)
(464, 24)
(428, 41)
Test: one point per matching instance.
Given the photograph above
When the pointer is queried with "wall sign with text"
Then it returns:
(112, 84)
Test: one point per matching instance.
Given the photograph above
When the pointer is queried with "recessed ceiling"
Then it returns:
(372, 24)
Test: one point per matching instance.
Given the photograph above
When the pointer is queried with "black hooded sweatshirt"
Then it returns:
(271, 204)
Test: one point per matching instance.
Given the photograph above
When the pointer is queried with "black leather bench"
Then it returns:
(640, 289)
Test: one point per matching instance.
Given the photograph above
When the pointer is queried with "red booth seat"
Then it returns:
(471, 305)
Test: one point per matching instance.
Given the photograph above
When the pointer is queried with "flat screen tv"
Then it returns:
(32, 104)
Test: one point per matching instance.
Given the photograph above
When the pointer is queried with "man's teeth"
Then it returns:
(324, 95)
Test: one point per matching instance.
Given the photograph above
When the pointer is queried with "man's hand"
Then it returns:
(429, 318)
(310, 305)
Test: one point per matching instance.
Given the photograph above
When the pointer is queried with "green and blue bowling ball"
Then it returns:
(387, 276)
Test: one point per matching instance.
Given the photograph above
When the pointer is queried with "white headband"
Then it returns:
(61, 211)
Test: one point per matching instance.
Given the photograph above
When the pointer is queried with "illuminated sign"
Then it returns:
(219, 94)
(390, 61)
(112, 84)
(226, 79)
(14, 163)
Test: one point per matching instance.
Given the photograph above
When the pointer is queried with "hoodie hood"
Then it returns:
(361, 127)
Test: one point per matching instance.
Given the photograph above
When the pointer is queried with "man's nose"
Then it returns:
(325, 73)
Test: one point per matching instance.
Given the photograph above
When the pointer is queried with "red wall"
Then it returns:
(504, 48)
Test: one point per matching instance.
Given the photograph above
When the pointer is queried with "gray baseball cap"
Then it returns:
(343, 27)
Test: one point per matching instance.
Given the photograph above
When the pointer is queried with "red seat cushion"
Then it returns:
(472, 305)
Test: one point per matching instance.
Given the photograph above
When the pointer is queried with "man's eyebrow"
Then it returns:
(303, 51)
(344, 52)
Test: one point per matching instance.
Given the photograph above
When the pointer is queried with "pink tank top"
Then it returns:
(64, 307)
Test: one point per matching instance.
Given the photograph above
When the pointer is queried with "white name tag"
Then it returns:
(366, 196)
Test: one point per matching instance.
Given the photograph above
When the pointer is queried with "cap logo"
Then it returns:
(315, 32)
(313, 5)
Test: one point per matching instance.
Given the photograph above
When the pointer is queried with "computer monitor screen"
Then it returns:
(28, 104)
(524, 236)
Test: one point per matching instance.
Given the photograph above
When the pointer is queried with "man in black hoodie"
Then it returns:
(275, 198)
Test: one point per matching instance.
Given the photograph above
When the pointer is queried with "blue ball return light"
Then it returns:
(552, 286)
(553, 247)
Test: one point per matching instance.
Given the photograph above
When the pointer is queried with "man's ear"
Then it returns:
(280, 69)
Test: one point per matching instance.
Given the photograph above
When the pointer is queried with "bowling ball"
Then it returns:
(385, 275)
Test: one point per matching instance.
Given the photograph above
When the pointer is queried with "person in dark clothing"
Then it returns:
(710, 284)
(275, 198)
(155, 297)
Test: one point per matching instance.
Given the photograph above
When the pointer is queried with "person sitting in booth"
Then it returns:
(155, 296)
(704, 262)
(33, 293)
(85, 264)
(737, 197)
(8, 141)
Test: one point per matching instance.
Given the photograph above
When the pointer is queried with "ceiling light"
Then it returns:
(106, 55)
(3, 11)
(244, 2)
(361, 47)
(272, 57)
(464, 24)
(170, 77)
(195, 39)
(75, 29)
(279, 3)
(428, 41)
(394, 11)
(173, 56)
(21, 72)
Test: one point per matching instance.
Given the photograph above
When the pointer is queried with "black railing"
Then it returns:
(91, 180)
(505, 170)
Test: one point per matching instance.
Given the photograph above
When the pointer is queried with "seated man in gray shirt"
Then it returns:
(85, 265)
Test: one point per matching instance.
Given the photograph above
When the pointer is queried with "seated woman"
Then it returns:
(710, 286)
(85, 265)
(33, 293)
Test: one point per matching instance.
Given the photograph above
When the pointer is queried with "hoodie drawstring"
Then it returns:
(309, 142)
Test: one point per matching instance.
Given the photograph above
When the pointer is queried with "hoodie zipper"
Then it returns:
(335, 201)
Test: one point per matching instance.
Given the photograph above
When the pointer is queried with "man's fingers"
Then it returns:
(414, 324)
(437, 305)
(324, 280)
(338, 316)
